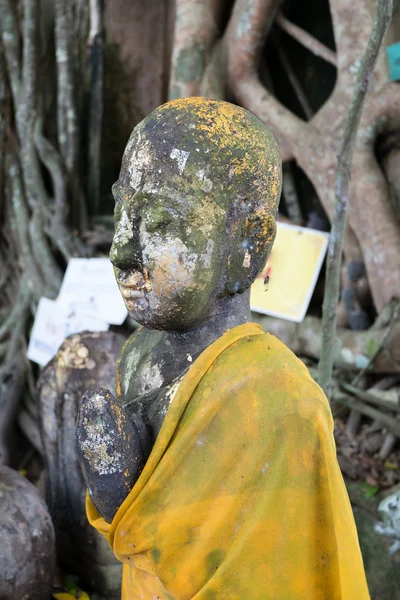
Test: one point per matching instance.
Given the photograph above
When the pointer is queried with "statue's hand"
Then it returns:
(111, 449)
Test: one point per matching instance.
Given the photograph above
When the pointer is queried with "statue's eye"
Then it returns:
(156, 219)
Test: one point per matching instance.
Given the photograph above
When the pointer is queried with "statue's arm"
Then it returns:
(112, 449)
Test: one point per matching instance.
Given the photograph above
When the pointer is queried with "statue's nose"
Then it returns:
(125, 250)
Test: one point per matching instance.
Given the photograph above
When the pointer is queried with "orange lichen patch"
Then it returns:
(169, 274)
(243, 144)
(147, 284)
(268, 228)
(206, 216)
(220, 121)
(122, 354)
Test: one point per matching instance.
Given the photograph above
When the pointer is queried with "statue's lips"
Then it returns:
(130, 293)
(132, 285)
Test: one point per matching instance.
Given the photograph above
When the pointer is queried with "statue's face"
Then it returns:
(168, 247)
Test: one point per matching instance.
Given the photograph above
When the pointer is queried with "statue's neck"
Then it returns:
(228, 312)
(174, 353)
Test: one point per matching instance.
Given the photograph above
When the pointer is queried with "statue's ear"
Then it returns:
(251, 250)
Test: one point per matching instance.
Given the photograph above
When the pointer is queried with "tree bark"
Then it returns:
(345, 159)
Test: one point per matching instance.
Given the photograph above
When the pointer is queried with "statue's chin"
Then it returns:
(166, 312)
(136, 303)
(162, 321)
(141, 309)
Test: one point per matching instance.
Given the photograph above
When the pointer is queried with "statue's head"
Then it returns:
(195, 210)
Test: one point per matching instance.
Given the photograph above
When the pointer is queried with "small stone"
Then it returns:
(27, 549)
(347, 355)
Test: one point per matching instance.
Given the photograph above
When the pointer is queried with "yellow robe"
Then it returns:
(242, 497)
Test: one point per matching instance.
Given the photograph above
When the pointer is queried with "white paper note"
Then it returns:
(89, 284)
(53, 323)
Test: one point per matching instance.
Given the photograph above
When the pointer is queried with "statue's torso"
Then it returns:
(149, 371)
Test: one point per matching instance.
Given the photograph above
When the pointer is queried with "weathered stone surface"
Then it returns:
(111, 445)
(83, 362)
(382, 570)
(195, 207)
(27, 547)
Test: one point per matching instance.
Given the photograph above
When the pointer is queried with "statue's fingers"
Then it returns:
(109, 451)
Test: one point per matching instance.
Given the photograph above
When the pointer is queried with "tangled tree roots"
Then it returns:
(43, 196)
(373, 236)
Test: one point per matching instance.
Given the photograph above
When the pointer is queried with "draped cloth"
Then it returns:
(242, 497)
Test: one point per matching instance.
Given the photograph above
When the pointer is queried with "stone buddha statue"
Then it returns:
(195, 207)
(212, 470)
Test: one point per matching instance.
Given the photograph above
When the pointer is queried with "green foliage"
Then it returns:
(369, 490)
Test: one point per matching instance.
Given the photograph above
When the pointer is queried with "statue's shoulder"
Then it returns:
(274, 375)
(136, 360)
(268, 354)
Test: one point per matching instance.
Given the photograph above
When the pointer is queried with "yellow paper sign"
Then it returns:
(285, 286)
